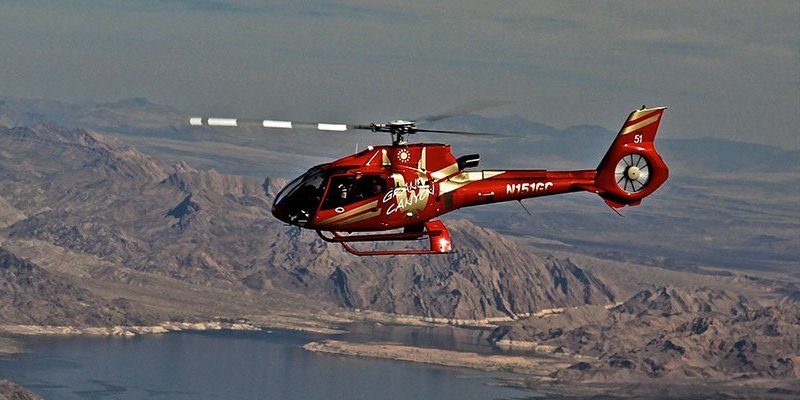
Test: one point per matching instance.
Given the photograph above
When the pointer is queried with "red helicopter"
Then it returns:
(405, 186)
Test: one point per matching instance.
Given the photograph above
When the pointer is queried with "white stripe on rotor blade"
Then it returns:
(277, 124)
(196, 121)
(222, 122)
(332, 127)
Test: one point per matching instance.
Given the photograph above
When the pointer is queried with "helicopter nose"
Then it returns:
(279, 212)
(284, 211)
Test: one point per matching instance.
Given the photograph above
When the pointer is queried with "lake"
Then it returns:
(246, 365)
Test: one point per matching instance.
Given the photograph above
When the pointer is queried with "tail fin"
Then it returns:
(632, 168)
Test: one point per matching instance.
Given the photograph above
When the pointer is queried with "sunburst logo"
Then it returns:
(403, 155)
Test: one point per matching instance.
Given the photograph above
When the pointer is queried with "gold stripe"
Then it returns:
(491, 174)
(465, 178)
(641, 114)
(361, 217)
(385, 158)
(445, 172)
(349, 213)
(449, 186)
(639, 125)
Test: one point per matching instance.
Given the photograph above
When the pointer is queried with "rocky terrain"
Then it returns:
(663, 342)
(72, 194)
(32, 295)
(12, 391)
(95, 234)
(728, 206)
(670, 333)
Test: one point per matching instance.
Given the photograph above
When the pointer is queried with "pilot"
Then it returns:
(377, 188)
(342, 191)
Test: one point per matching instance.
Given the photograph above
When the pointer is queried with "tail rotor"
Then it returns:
(632, 173)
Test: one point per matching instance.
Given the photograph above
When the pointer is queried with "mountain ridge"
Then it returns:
(104, 199)
(138, 240)
(668, 332)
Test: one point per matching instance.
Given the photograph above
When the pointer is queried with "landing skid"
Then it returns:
(439, 240)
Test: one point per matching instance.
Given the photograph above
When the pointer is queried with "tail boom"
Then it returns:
(515, 185)
(630, 170)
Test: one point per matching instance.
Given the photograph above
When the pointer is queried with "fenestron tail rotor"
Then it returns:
(632, 173)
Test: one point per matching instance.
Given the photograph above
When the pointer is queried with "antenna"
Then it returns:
(525, 208)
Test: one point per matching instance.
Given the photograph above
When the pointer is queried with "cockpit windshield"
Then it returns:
(297, 202)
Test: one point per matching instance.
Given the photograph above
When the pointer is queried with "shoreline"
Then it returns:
(120, 330)
(12, 336)
(529, 372)
(483, 323)
(535, 366)
(539, 374)
(323, 323)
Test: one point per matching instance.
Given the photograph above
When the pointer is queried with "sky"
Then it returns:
(728, 69)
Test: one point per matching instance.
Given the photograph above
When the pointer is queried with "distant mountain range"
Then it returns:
(522, 143)
(92, 196)
(727, 205)
(95, 233)
(577, 146)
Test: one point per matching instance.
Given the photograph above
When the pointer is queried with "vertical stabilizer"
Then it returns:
(632, 168)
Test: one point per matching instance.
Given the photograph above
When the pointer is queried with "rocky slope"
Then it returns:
(12, 391)
(88, 195)
(671, 333)
(93, 232)
(489, 275)
(31, 295)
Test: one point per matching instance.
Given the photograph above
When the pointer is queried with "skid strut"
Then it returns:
(437, 233)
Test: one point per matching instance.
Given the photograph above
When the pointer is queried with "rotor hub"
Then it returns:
(633, 173)
(397, 128)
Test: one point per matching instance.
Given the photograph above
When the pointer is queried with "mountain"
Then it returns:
(95, 233)
(126, 114)
(92, 196)
(30, 295)
(578, 145)
(488, 276)
(727, 206)
(671, 333)
(523, 141)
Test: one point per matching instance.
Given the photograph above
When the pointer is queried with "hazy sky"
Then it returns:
(725, 68)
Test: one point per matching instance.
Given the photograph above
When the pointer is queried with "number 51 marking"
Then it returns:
(637, 138)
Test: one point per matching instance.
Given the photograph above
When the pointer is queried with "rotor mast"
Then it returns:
(398, 129)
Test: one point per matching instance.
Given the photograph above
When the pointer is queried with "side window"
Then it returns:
(369, 186)
(340, 192)
(344, 190)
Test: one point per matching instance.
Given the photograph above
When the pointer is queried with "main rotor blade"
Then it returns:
(460, 132)
(467, 108)
(268, 123)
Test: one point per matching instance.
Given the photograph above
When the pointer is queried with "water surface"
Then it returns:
(240, 365)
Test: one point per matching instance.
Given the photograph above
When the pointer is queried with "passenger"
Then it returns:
(377, 188)
(342, 192)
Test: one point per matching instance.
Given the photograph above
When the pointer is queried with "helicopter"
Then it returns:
(372, 195)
